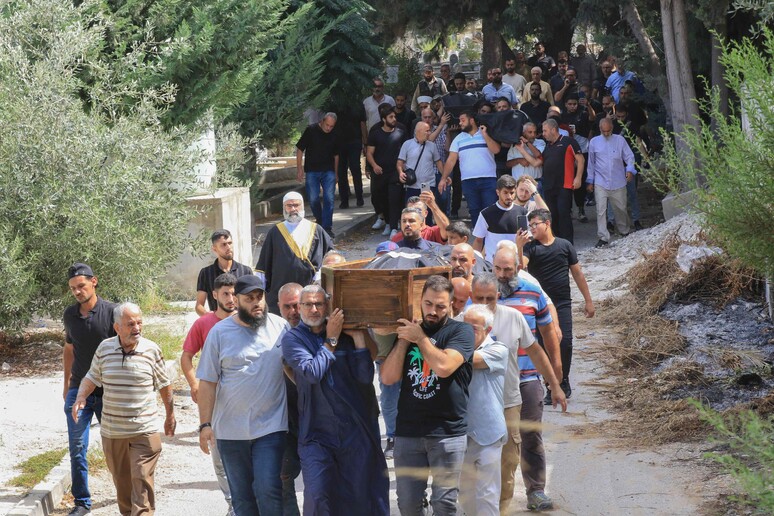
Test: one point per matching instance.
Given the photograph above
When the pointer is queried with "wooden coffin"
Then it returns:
(377, 298)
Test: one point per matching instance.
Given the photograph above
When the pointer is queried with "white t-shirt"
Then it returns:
(517, 82)
(520, 170)
(511, 329)
(372, 109)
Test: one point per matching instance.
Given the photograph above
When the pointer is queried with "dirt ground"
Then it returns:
(590, 470)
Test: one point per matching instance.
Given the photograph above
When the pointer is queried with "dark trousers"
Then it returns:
(580, 194)
(533, 454)
(396, 200)
(559, 202)
(564, 311)
(379, 197)
(456, 200)
(349, 159)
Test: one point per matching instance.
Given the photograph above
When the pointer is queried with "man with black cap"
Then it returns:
(242, 400)
(87, 323)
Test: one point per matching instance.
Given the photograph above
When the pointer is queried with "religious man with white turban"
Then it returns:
(293, 250)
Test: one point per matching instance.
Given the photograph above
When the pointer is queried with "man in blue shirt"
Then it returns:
(497, 88)
(611, 168)
(617, 79)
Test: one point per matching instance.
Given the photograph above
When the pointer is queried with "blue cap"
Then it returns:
(386, 247)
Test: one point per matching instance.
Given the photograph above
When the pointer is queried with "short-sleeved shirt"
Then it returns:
(247, 366)
(537, 114)
(431, 406)
(496, 223)
(493, 93)
(387, 147)
(320, 149)
(512, 329)
(580, 119)
(550, 264)
(130, 381)
(86, 334)
(371, 106)
(532, 303)
(486, 419)
(422, 162)
(347, 127)
(474, 156)
(194, 341)
(521, 170)
(207, 276)
(559, 163)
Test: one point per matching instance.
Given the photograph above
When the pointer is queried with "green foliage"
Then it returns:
(732, 173)
(95, 186)
(408, 71)
(294, 81)
(35, 469)
(170, 342)
(749, 454)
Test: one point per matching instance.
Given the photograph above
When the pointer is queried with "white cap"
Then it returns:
(292, 196)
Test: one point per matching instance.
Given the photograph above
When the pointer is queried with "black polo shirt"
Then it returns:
(207, 276)
(320, 149)
(85, 334)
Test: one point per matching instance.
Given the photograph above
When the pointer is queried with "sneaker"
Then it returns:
(393, 233)
(79, 510)
(610, 226)
(379, 224)
(601, 243)
(638, 226)
(538, 501)
(591, 202)
(389, 450)
(547, 400)
(565, 385)
(386, 231)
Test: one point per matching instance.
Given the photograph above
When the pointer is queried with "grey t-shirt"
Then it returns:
(512, 329)
(250, 401)
(486, 419)
(409, 153)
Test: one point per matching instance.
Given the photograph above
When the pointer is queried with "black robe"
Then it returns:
(280, 265)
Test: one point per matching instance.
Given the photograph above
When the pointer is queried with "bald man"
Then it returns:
(461, 295)
(611, 167)
(462, 260)
(418, 155)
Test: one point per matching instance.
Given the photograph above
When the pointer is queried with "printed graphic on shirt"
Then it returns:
(424, 381)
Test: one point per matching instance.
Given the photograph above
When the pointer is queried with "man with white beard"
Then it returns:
(293, 250)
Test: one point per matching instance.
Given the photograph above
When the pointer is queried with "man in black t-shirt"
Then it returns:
(384, 143)
(563, 164)
(223, 247)
(320, 164)
(87, 323)
(351, 137)
(433, 361)
(551, 260)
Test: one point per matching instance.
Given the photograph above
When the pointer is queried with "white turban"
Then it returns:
(292, 196)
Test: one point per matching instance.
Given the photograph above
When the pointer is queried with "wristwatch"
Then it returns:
(204, 425)
(333, 341)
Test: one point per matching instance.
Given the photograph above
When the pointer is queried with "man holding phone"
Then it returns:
(499, 221)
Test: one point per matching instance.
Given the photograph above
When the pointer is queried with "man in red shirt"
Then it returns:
(437, 233)
(223, 292)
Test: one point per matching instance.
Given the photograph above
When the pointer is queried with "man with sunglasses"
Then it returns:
(371, 105)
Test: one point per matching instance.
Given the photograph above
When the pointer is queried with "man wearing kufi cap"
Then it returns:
(292, 251)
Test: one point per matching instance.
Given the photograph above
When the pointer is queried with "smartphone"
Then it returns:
(521, 222)
(581, 94)
(423, 187)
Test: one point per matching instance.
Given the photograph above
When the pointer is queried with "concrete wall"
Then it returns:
(227, 208)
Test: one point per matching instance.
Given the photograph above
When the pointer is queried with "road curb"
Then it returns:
(354, 225)
(45, 497)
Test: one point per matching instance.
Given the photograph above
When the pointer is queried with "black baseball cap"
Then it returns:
(79, 269)
(248, 283)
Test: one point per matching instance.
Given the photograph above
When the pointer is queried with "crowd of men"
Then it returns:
(283, 389)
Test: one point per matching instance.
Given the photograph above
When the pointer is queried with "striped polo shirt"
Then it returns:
(530, 300)
(130, 382)
(474, 156)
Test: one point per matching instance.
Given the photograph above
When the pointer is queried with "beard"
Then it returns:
(225, 309)
(254, 322)
(433, 327)
(294, 219)
(313, 323)
(506, 288)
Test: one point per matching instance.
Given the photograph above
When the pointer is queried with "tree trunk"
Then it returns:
(719, 29)
(491, 55)
(682, 93)
(632, 16)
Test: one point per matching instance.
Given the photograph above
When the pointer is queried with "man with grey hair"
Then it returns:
(318, 149)
(338, 441)
(130, 369)
(545, 89)
(418, 155)
(242, 400)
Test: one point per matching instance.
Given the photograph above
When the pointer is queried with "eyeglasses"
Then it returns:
(310, 305)
(535, 224)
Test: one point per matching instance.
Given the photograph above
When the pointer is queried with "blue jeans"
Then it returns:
(443, 199)
(322, 209)
(291, 468)
(418, 457)
(253, 470)
(480, 193)
(78, 438)
(388, 400)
